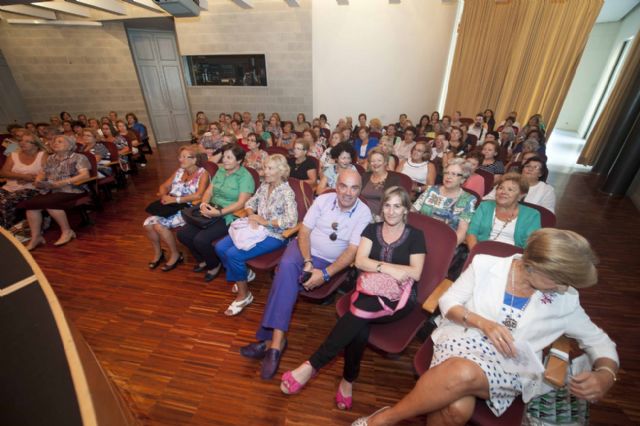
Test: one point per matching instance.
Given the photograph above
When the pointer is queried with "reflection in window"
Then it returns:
(226, 70)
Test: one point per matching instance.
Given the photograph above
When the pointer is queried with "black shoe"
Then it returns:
(255, 350)
(199, 268)
(167, 267)
(158, 261)
(209, 276)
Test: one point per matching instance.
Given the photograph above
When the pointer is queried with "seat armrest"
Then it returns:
(288, 233)
(431, 304)
(83, 181)
(240, 213)
(555, 372)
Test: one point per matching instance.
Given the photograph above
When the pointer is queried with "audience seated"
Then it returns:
(540, 192)
(386, 146)
(403, 148)
(504, 219)
(199, 127)
(326, 244)
(483, 317)
(132, 141)
(377, 180)
(228, 191)
(21, 170)
(185, 187)
(301, 123)
(342, 156)
(270, 211)
(120, 143)
(302, 166)
(363, 144)
(418, 167)
(449, 202)
(256, 156)
(335, 139)
(478, 128)
(392, 250)
(317, 148)
(287, 138)
(490, 162)
(474, 182)
(61, 178)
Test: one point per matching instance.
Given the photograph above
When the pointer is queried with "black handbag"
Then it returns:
(156, 208)
(193, 216)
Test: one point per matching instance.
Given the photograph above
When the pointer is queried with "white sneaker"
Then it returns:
(250, 275)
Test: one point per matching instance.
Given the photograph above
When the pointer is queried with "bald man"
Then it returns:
(327, 243)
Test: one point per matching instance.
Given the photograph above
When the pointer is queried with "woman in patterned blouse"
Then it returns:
(186, 185)
(256, 157)
(272, 208)
(61, 176)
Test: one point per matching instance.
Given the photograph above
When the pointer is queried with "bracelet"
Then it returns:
(465, 316)
(308, 261)
(610, 370)
(325, 275)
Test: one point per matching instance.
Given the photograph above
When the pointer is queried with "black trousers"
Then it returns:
(351, 333)
(199, 241)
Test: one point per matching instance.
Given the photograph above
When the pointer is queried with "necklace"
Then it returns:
(504, 224)
(510, 322)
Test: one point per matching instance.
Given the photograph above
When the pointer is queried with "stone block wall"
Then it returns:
(75, 69)
(272, 28)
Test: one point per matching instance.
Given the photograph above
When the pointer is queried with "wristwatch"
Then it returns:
(379, 267)
(325, 275)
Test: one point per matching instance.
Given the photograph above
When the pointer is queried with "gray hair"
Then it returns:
(71, 142)
(530, 145)
(466, 167)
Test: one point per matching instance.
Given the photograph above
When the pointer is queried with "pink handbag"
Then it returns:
(381, 285)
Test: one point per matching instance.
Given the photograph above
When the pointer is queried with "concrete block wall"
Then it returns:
(272, 28)
(79, 70)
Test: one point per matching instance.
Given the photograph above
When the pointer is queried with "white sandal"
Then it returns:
(238, 305)
(364, 421)
(250, 277)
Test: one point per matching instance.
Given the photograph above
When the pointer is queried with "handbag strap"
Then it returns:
(385, 311)
(304, 195)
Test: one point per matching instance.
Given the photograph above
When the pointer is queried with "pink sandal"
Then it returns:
(290, 386)
(343, 402)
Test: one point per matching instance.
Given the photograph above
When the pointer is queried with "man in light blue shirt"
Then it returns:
(327, 243)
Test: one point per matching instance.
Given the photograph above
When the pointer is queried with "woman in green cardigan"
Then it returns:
(504, 219)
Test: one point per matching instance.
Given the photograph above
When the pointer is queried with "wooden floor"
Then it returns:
(164, 340)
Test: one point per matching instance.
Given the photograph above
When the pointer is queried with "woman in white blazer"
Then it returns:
(496, 304)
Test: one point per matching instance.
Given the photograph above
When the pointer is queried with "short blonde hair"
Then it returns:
(563, 256)
(281, 165)
(520, 180)
(375, 122)
(377, 150)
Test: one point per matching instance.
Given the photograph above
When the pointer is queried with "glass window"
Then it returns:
(226, 70)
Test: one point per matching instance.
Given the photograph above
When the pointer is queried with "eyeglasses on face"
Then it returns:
(453, 174)
(185, 157)
(533, 166)
(334, 234)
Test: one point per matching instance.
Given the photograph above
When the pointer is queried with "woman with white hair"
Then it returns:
(61, 182)
(270, 211)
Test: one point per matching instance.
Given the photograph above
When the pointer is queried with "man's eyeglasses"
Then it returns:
(334, 234)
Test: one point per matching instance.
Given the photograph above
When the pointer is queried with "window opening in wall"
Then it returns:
(613, 77)
(226, 70)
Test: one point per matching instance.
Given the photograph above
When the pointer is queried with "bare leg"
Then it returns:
(243, 290)
(170, 241)
(457, 413)
(278, 339)
(61, 219)
(454, 379)
(34, 217)
(155, 240)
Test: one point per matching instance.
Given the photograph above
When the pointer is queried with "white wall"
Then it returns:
(594, 62)
(379, 58)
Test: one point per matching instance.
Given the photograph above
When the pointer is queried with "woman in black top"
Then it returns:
(391, 247)
(303, 167)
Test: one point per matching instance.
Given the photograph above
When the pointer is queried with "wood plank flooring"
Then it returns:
(164, 340)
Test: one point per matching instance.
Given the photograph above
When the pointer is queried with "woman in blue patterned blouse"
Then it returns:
(271, 210)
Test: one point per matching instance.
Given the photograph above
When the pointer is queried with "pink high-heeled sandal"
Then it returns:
(290, 386)
(343, 402)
